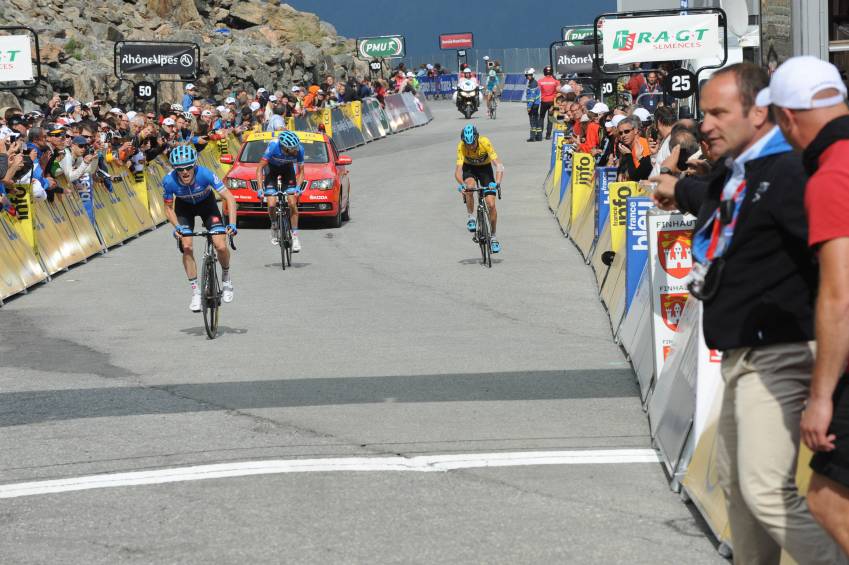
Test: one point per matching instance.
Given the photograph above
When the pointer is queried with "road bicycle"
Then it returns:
(283, 215)
(492, 105)
(210, 282)
(483, 232)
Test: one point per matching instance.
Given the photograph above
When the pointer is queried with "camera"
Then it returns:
(490, 64)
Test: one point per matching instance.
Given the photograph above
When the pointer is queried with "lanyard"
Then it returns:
(706, 249)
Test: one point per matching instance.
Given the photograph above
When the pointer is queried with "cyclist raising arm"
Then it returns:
(475, 157)
(284, 158)
(189, 193)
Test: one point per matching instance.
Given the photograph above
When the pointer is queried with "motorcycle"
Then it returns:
(468, 97)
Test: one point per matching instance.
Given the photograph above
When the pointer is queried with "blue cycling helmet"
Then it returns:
(469, 135)
(288, 139)
(183, 155)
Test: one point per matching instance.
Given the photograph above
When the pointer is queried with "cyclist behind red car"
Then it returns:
(284, 158)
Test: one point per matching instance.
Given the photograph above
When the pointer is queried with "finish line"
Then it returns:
(419, 464)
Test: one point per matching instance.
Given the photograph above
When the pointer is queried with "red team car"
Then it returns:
(327, 194)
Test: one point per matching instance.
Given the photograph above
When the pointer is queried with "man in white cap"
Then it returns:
(809, 99)
(189, 97)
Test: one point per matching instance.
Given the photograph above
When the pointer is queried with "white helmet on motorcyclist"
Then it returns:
(530, 71)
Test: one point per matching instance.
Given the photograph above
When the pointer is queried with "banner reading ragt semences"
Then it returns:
(157, 58)
(667, 38)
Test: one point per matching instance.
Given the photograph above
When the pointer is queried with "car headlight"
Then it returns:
(236, 183)
(322, 184)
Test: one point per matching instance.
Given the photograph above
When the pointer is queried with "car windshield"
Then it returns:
(315, 152)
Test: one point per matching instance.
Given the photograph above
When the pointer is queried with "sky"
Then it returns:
(495, 23)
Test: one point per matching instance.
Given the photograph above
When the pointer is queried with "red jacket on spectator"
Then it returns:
(635, 83)
(592, 138)
(548, 86)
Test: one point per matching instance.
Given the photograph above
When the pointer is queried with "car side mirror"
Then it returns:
(607, 257)
(344, 160)
(227, 159)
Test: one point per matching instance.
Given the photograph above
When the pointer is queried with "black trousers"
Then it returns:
(533, 117)
(545, 108)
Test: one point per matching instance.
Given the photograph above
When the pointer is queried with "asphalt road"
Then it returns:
(386, 339)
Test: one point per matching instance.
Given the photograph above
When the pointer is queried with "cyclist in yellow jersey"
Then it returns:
(475, 159)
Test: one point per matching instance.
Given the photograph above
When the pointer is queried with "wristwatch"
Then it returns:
(667, 171)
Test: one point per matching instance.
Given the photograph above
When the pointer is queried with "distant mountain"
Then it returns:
(495, 23)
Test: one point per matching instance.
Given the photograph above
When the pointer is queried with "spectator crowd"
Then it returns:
(68, 144)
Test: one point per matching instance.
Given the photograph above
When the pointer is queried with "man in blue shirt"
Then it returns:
(189, 192)
(189, 97)
(284, 158)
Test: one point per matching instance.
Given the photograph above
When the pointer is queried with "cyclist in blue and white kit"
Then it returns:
(189, 192)
(491, 84)
(284, 158)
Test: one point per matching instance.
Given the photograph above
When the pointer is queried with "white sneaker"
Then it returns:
(296, 244)
(274, 240)
(227, 291)
(194, 306)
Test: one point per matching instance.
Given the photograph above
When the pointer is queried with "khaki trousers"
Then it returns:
(758, 447)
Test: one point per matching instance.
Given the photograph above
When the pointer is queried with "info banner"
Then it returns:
(15, 58)
(670, 261)
(636, 244)
(604, 177)
(157, 58)
(665, 38)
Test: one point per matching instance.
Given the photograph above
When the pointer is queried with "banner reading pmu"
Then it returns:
(641, 40)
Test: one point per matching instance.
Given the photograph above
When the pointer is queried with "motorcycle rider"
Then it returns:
(468, 83)
(548, 86)
(532, 95)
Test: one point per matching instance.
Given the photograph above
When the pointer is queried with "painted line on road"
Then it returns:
(419, 464)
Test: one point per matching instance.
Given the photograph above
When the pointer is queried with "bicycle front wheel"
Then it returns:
(281, 235)
(483, 237)
(286, 226)
(210, 297)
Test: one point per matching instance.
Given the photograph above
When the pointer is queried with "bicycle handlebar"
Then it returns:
(208, 234)
(479, 189)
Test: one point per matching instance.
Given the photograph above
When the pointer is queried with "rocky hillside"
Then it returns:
(247, 43)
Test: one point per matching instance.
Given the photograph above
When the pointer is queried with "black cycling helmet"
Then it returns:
(547, 71)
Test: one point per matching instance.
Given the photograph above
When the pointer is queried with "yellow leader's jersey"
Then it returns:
(483, 154)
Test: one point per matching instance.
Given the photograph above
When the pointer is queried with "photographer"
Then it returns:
(79, 163)
(756, 278)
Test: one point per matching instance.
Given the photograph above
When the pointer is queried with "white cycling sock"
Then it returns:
(225, 275)
(194, 283)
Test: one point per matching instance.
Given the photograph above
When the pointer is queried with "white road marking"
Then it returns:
(420, 464)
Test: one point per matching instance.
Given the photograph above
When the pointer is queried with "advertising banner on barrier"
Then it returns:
(709, 384)
(20, 266)
(670, 261)
(396, 108)
(414, 108)
(636, 244)
(604, 176)
(345, 133)
(619, 194)
(583, 167)
(667, 38)
(16, 58)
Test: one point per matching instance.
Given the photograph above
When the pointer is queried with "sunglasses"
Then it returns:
(625, 131)
(187, 169)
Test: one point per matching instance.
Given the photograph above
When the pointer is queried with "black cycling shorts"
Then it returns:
(835, 464)
(481, 173)
(206, 209)
(286, 174)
